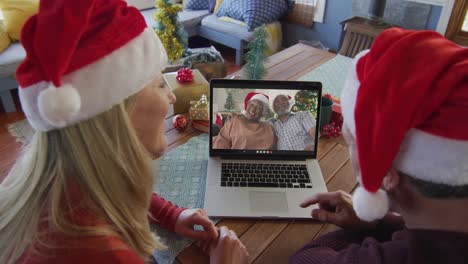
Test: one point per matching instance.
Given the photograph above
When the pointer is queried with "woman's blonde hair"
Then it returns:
(101, 157)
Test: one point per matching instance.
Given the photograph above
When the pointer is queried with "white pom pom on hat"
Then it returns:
(58, 105)
(370, 206)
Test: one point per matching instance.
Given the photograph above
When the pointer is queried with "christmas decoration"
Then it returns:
(199, 109)
(184, 75)
(201, 125)
(180, 122)
(254, 69)
(306, 101)
(331, 130)
(229, 105)
(186, 92)
(169, 29)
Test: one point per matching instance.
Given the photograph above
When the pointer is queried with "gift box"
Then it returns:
(186, 92)
(199, 110)
(201, 125)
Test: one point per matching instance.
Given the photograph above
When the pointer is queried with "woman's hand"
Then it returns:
(229, 249)
(191, 217)
(337, 208)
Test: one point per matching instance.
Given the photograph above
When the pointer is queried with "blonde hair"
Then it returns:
(104, 158)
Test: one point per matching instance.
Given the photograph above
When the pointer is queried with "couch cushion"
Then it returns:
(16, 13)
(196, 4)
(188, 18)
(10, 59)
(239, 31)
(254, 12)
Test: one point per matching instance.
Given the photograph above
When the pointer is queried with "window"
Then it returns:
(457, 29)
(318, 10)
(465, 23)
(306, 12)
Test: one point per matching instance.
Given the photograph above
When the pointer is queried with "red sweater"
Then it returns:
(89, 249)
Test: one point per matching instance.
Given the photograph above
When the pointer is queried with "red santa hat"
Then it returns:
(290, 99)
(83, 57)
(406, 102)
(258, 96)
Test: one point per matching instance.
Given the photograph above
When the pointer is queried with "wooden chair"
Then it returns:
(359, 35)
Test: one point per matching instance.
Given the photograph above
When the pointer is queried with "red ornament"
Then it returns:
(331, 130)
(180, 122)
(184, 75)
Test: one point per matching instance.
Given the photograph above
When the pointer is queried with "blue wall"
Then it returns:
(329, 32)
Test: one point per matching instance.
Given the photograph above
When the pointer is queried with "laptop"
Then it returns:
(248, 174)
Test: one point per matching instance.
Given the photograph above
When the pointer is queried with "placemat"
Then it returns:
(332, 74)
(182, 180)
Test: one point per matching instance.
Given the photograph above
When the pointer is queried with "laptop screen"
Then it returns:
(264, 119)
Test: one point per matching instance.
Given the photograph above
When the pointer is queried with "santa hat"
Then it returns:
(290, 99)
(83, 57)
(405, 101)
(258, 96)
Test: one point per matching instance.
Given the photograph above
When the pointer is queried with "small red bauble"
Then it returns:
(180, 122)
(331, 130)
(184, 75)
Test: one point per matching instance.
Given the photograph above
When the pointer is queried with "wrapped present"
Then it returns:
(186, 92)
(200, 109)
(201, 125)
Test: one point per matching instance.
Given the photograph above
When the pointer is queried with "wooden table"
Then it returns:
(274, 241)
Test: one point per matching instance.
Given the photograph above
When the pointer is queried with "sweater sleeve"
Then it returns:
(344, 246)
(164, 213)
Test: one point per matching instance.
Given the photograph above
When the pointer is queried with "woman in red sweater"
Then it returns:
(80, 193)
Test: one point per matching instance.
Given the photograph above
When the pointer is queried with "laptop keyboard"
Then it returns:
(265, 175)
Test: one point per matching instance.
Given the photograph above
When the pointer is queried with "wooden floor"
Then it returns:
(9, 148)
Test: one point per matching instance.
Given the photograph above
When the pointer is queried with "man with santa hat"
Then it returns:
(247, 131)
(405, 108)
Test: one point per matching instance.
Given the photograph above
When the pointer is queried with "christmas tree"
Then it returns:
(254, 69)
(229, 105)
(306, 101)
(169, 29)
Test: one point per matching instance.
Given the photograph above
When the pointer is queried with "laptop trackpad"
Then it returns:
(268, 201)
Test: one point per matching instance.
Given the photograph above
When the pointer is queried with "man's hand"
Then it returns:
(337, 208)
(190, 217)
(228, 249)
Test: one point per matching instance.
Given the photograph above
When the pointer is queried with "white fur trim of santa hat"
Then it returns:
(97, 87)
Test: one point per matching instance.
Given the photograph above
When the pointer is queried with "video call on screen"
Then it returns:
(262, 120)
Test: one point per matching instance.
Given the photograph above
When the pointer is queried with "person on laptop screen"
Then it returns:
(405, 108)
(247, 130)
(294, 130)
